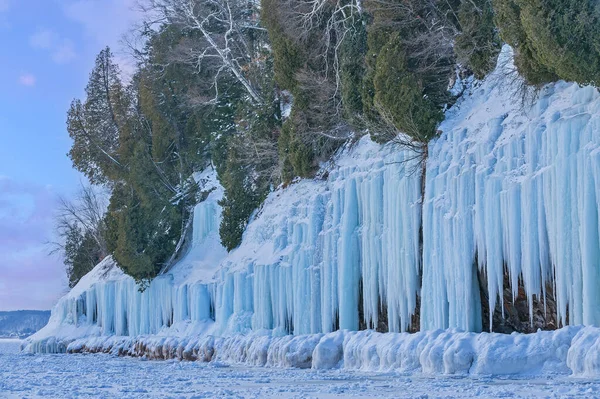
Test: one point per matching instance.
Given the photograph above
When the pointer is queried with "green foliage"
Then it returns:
(399, 94)
(552, 39)
(251, 164)
(508, 20)
(167, 143)
(408, 67)
(148, 232)
(288, 55)
(81, 254)
(241, 198)
(322, 67)
(144, 142)
(478, 44)
(96, 124)
(376, 39)
(353, 50)
(298, 158)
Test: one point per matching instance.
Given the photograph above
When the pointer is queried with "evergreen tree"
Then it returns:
(96, 124)
(553, 39)
(478, 43)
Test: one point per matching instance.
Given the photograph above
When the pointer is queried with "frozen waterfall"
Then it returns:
(513, 190)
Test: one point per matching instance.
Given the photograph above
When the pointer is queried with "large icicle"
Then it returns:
(517, 187)
(315, 244)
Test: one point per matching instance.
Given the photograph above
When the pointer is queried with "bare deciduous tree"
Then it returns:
(81, 231)
(322, 114)
(331, 22)
(223, 26)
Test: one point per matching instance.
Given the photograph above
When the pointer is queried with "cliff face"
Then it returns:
(505, 235)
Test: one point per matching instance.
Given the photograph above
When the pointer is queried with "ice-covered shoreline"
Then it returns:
(570, 351)
(94, 376)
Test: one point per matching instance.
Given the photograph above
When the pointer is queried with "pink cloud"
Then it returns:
(27, 79)
(29, 277)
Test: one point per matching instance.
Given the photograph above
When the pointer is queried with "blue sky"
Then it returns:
(47, 49)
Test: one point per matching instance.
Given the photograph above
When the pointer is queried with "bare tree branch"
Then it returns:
(221, 24)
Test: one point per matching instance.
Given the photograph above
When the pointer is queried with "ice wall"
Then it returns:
(108, 302)
(303, 260)
(513, 188)
(313, 252)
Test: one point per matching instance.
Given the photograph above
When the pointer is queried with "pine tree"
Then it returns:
(96, 124)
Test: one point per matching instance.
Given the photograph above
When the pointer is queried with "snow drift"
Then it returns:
(511, 193)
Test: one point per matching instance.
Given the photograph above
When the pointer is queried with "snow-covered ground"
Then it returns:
(106, 376)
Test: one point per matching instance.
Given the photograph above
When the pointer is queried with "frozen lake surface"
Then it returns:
(105, 376)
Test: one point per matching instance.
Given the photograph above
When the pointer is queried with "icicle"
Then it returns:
(535, 211)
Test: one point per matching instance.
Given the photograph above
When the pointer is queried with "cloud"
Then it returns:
(29, 277)
(27, 79)
(61, 50)
(64, 53)
(43, 39)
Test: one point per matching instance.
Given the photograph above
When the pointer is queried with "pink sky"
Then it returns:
(50, 49)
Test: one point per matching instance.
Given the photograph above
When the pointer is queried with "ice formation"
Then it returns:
(570, 350)
(511, 191)
(515, 189)
(297, 271)
(315, 243)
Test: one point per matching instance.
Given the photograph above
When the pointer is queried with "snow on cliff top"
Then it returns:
(106, 270)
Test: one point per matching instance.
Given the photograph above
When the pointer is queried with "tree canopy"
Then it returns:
(265, 97)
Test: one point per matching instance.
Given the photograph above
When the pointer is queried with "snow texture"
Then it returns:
(507, 186)
(100, 376)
